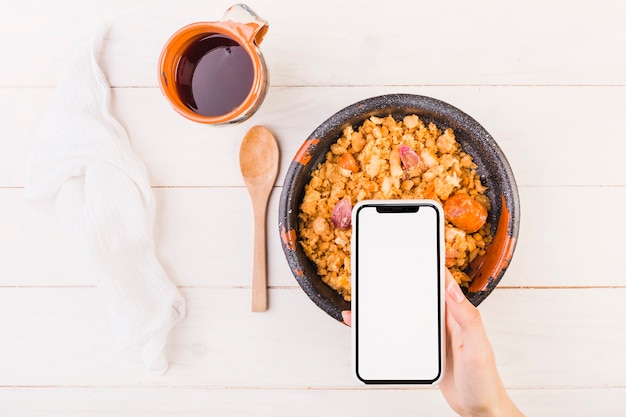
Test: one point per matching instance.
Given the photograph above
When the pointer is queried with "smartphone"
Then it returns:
(398, 303)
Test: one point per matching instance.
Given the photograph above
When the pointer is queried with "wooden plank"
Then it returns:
(204, 238)
(567, 238)
(549, 135)
(550, 338)
(200, 401)
(21, 110)
(34, 249)
(446, 42)
(546, 133)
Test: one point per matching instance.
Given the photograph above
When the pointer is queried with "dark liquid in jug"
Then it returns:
(214, 75)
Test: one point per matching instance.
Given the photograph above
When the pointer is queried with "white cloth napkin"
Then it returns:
(82, 166)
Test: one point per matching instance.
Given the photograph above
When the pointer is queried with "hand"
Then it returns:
(471, 384)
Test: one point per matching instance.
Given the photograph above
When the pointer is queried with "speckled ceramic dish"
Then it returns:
(486, 271)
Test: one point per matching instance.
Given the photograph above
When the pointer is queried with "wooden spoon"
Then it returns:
(258, 160)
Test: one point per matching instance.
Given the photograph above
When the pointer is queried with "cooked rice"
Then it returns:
(444, 170)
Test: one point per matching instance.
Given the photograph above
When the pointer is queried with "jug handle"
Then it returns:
(246, 22)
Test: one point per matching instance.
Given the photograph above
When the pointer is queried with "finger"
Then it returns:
(462, 311)
(347, 317)
(449, 277)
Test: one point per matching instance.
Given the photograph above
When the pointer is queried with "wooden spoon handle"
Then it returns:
(259, 267)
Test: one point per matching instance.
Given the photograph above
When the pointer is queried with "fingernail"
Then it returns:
(455, 291)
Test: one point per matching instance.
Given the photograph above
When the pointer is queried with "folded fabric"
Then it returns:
(82, 166)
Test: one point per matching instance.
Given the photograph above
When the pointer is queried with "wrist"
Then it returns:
(504, 407)
(509, 410)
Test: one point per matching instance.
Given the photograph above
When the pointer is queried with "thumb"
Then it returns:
(462, 310)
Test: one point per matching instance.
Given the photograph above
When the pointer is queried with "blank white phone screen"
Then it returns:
(398, 304)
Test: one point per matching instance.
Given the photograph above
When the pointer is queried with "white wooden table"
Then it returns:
(546, 79)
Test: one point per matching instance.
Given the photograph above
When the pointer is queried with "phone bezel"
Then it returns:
(399, 205)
